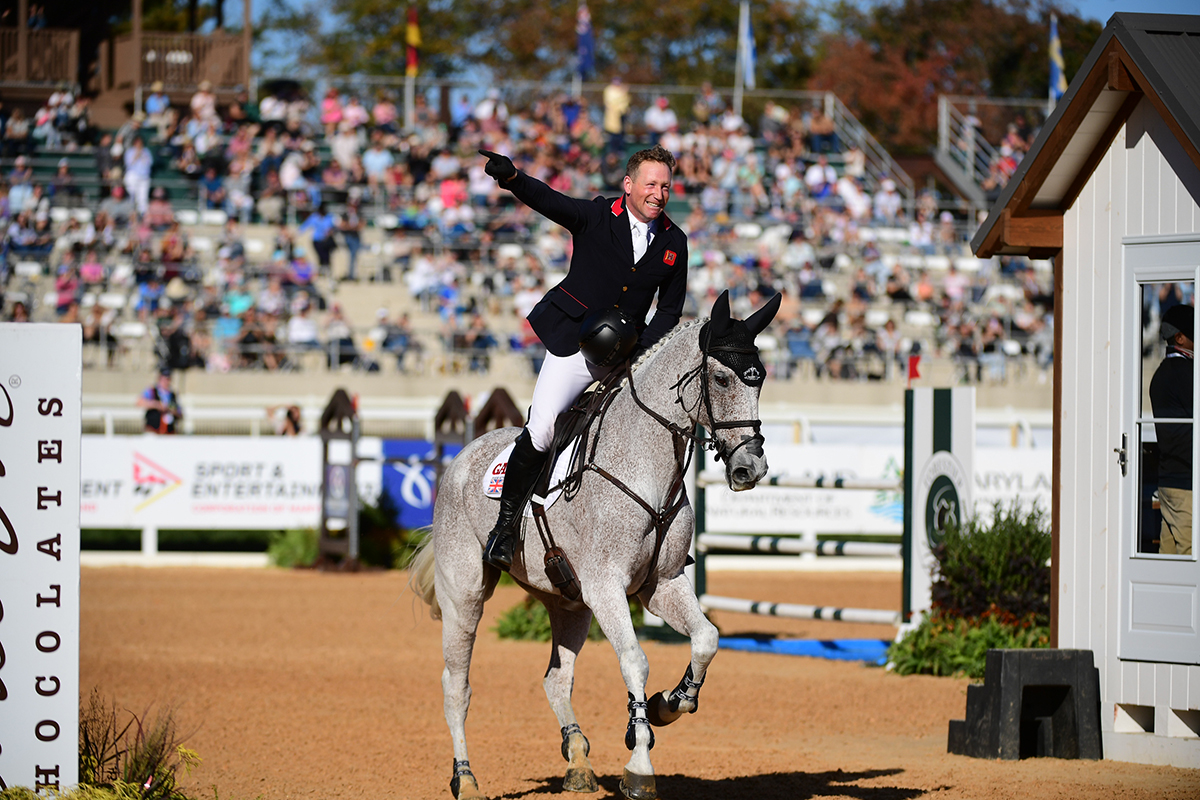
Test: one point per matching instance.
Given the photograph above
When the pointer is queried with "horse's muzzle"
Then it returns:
(745, 471)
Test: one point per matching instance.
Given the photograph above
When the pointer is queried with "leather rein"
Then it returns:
(684, 443)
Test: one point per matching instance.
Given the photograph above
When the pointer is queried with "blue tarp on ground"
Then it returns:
(873, 651)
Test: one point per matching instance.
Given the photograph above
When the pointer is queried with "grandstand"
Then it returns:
(219, 277)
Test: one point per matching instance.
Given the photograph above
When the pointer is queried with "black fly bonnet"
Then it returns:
(731, 342)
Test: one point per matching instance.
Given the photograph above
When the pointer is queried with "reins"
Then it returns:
(684, 443)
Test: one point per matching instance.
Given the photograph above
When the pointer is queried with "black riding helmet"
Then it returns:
(607, 337)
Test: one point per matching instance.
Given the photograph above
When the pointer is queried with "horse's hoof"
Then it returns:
(580, 780)
(659, 712)
(464, 787)
(638, 787)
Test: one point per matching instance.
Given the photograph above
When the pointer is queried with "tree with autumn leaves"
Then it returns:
(887, 61)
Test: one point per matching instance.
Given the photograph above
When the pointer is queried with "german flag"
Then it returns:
(412, 38)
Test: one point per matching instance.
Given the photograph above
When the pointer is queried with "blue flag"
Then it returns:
(1058, 72)
(585, 43)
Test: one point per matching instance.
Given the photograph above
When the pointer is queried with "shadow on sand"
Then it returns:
(774, 786)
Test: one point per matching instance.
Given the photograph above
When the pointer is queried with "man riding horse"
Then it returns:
(625, 250)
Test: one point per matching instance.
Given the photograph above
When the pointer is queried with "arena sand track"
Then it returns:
(303, 685)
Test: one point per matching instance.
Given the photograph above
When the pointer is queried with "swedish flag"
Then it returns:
(1058, 72)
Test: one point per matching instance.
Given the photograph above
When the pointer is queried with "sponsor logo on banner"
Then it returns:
(152, 481)
(945, 481)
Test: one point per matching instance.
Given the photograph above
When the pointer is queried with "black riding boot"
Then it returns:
(524, 465)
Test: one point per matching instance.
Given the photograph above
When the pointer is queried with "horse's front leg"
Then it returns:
(675, 601)
(570, 630)
(612, 612)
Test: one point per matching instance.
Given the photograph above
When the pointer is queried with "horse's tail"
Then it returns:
(420, 576)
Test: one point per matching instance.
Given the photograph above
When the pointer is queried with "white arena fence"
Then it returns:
(807, 545)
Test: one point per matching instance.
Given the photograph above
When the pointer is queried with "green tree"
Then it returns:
(686, 41)
(890, 62)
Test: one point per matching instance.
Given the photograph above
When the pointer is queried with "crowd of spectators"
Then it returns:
(466, 253)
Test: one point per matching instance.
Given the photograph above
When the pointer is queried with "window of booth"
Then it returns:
(1160, 576)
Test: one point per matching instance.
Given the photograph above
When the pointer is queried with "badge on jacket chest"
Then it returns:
(669, 258)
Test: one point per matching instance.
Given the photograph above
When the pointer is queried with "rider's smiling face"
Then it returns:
(648, 188)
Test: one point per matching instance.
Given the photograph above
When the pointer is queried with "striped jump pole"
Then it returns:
(715, 478)
(790, 545)
(796, 611)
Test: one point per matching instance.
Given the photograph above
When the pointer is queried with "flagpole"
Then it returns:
(740, 62)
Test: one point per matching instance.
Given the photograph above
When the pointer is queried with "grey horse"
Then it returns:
(704, 372)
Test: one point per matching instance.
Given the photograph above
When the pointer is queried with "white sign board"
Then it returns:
(938, 480)
(777, 510)
(199, 482)
(40, 384)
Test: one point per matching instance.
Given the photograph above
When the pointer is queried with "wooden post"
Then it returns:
(22, 40)
(246, 43)
(138, 58)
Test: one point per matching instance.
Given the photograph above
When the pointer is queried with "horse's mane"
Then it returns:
(671, 334)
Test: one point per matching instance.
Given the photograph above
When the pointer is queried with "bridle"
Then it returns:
(723, 451)
(684, 440)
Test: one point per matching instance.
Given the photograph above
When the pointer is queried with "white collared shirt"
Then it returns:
(641, 242)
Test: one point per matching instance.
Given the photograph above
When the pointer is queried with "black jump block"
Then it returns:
(1032, 703)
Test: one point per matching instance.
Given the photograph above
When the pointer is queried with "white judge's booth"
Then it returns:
(1111, 190)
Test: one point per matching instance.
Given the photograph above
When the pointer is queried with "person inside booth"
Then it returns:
(1171, 396)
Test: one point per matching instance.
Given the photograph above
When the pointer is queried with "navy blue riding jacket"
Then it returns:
(603, 273)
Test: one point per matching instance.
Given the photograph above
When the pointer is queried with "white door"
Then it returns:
(1160, 593)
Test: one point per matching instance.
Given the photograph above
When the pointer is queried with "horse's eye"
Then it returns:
(722, 379)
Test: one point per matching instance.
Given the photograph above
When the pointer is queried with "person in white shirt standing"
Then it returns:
(138, 163)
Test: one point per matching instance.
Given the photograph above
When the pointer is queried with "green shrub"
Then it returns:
(294, 548)
(137, 759)
(1003, 565)
(529, 621)
(948, 645)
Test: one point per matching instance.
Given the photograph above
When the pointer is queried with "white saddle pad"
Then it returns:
(493, 479)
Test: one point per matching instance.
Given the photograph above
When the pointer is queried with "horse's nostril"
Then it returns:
(742, 475)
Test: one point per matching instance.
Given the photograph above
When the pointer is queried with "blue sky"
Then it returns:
(1103, 9)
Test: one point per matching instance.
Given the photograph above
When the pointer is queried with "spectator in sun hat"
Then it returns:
(1171, 396)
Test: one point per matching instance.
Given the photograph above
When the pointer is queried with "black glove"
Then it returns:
(499, 167)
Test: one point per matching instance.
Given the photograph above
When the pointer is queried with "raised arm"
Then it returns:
(569, 212)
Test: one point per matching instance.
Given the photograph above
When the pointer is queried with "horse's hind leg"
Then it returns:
(612, 612)
(675, 601)
(570, 630)
(462, 607)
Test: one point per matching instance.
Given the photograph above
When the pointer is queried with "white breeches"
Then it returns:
(558, 384)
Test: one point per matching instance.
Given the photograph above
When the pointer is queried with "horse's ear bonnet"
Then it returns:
(731, 341)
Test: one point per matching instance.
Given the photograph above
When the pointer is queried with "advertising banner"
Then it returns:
(218, 482)
(778, 510)
(408, 481)
(40, 380)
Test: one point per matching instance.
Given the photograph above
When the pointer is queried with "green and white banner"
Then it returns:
(939, 456)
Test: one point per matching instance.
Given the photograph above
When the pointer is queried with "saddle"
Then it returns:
(570, 430)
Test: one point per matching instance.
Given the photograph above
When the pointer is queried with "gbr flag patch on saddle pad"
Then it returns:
(493, 478)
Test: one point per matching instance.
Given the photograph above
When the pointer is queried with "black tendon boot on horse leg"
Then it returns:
(524, 465)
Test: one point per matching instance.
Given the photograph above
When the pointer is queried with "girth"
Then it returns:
(589, 413)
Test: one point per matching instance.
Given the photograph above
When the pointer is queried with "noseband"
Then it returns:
(723, 451)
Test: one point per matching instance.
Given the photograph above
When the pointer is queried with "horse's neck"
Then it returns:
(650, 440)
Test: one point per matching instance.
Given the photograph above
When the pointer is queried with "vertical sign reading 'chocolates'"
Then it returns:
(40, 378)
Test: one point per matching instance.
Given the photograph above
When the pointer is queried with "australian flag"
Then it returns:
(585, 42)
